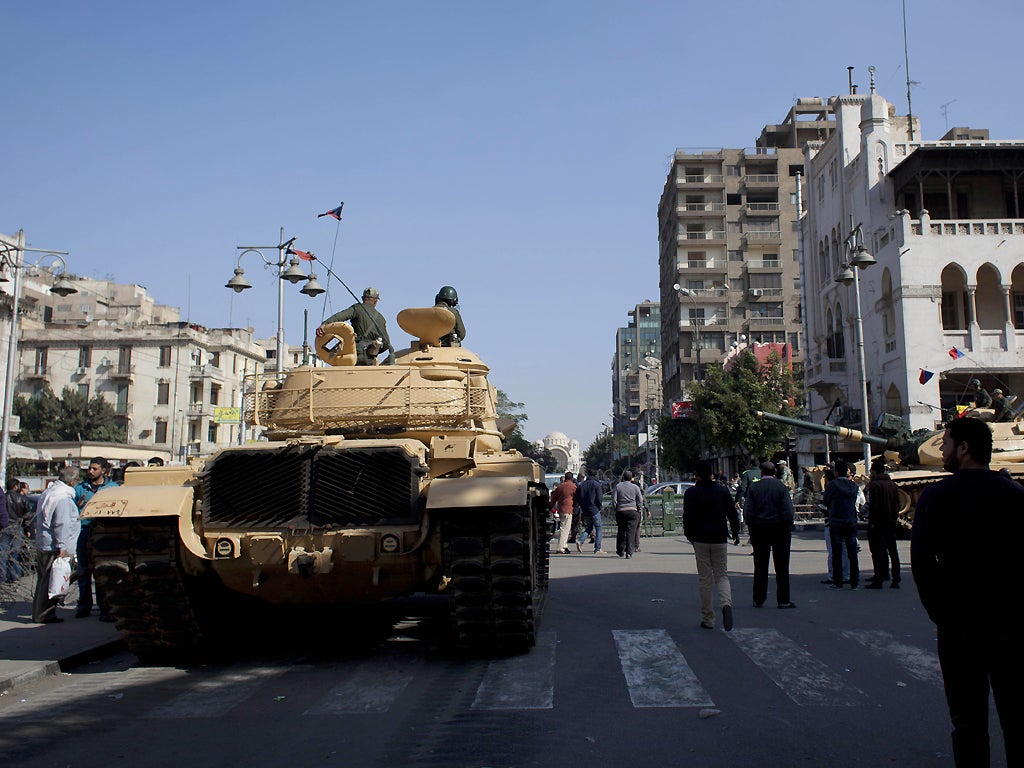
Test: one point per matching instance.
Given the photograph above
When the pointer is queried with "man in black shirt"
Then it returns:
(964, 552)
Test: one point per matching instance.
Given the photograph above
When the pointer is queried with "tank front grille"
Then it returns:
(364, 487)
(257, 489)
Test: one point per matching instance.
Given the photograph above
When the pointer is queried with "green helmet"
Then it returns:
(448, 295)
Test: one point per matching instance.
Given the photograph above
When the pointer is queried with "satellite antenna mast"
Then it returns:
(906, 65)
(945, 112)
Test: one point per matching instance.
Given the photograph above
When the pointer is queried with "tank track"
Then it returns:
(135, 563)
(495, 593)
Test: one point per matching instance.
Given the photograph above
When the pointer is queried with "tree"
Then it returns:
(47, 419)
(510, 411)
(679, 443)
(609, 452)
(726, 400)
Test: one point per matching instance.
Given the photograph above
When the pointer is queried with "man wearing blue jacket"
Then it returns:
(840, 497)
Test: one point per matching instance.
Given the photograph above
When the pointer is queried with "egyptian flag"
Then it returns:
(955, 353)
(334, 212)
(925, 376)
(304, 255)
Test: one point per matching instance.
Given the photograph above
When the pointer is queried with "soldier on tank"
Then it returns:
(449, 299)
(371, 330)
(982, 399)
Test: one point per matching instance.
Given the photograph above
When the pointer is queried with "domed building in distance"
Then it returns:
(565, 451)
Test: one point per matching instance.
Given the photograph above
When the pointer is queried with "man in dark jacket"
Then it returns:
(588, 496)
(965, 556)
(883, 510)
(769, 514)
(708, 516)
(840, 497)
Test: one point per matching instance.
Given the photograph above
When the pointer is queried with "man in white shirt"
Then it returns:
(57, 529)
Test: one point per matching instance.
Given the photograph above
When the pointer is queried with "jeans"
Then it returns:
(711, 572)
(591, 525)
(844, 535)
(828, 546)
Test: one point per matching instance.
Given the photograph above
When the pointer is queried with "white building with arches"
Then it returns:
(565, 451)
(945, 222)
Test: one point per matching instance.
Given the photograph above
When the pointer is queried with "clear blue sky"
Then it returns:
(514, 150)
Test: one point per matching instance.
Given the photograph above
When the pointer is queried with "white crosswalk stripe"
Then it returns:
(801, 677)
(216, 696)
(372, 687)
(920, 664)
(656, 672)
(521, 682)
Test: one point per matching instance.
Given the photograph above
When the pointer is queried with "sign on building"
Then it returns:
(227, 415)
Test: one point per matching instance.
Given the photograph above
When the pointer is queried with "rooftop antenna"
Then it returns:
(849, 80)
(871, 72)
(945, 112)
(906, 64)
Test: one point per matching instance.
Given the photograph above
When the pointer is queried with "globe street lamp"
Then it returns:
(293, 274)
(696, 326)
(12, 259)
(858, 258)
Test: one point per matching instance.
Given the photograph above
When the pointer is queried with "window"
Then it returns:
(211, 432)
(163, 393)
(215, 359)
(41, 355)
(121, 406)
(161, 431)
(735, 255)
(165, 357)
(83, 390)
(84, 357)
(214, 394)
(734, 198)
(733, 170)
(1018, 310)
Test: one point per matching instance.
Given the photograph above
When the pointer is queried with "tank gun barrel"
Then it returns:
(845, 432)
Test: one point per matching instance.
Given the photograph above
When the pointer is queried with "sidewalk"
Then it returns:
(30, 651)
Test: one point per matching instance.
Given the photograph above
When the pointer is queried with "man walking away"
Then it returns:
(588, 494)
(883, 511)
(562, 498)
(628, 502)
(840, 497)
(56, 536)
(709, 515)
(769, 514)
(965, 557)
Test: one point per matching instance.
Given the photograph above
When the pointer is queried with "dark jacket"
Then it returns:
(588, 496)
(748, 478)
(883, 504)
(965, 550)
(768, 501)
(709, 513)
(840, 497)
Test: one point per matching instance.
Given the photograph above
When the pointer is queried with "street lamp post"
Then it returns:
(858, 258)
(696, 326)
(12, 257)
(293, 274)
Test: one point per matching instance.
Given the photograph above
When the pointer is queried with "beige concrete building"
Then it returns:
(729, 236)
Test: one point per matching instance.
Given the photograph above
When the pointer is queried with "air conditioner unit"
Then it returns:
(105, 362)
(82, 371)
(756, 291)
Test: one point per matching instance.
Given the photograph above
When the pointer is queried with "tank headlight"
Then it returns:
(389, 544)
(224, 548)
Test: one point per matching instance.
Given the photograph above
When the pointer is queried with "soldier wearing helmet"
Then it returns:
(982, 399)
(1001, 403)
(371, 330)
(449, 299)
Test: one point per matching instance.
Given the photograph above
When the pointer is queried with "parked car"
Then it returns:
(678, 487)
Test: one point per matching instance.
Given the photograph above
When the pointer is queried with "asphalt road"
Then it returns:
(622, 676)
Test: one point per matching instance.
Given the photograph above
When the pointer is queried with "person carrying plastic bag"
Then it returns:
(57, 528)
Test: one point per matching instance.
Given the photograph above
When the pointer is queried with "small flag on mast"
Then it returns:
(925, 376)
(334, 212)
(304, 255)
(955, 353)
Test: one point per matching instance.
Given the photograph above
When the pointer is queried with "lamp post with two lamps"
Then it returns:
(857, 259)
(12, 257)
(696, 327)
(293, 274)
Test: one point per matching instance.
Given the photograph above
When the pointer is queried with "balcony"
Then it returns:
(761, 179)
(702, 236)
(686, 208)
(762, 207)
(37, 372)
(710, 179)
(688, 323)
(708, 293)
(759, 293)
(123, 410)
(703, 265)
(198, 410)
(762, 236)
(206, 372)
(765, 321)
(766, 264)
(122, 372)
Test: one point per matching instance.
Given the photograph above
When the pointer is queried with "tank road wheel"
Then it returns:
(135, 563)
(494, 597)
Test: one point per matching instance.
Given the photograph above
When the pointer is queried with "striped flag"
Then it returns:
(955, 353)
(304, 255)
(334, 212)
(925, 376)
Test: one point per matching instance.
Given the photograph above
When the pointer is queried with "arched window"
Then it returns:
(955, 315)
(988, 298)
(888, 310)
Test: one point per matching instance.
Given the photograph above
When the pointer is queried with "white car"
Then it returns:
(678, 487)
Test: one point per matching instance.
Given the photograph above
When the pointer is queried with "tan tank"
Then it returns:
(376, 482)
(915, 459)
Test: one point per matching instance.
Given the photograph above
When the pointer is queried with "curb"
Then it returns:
(47, 668)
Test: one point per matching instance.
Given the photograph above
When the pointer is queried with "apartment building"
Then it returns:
(729, 237)
(944, 301)
(636, 375)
